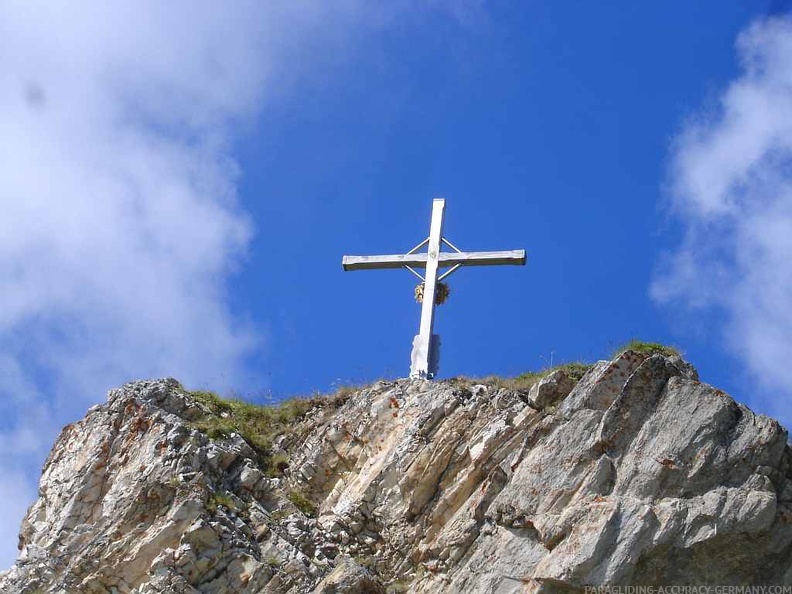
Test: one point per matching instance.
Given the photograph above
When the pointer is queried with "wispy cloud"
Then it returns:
(120, 224)
(731, 187)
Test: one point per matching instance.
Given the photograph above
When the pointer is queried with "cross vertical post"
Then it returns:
(423, 348)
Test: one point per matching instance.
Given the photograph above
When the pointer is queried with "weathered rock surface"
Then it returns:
(638, 474)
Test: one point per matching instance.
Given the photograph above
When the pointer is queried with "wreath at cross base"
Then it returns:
(441, 293)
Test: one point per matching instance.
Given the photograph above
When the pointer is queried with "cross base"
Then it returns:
(419, 358)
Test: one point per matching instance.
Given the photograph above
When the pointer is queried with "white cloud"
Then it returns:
(119, 220)
(731, 186)
(119, 224)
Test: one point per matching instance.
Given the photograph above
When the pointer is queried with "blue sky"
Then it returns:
(179, 184)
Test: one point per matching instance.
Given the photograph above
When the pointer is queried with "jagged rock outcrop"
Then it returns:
(636, 474)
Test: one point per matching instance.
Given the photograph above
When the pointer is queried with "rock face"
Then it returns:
(637, 474)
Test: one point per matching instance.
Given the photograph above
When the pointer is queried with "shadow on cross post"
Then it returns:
(419, 355)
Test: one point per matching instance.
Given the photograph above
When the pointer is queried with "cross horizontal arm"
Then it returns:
(446, 259)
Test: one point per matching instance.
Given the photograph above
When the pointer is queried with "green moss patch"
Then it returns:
(258, 425)
(648, 348)
(222, 499)
(302, 502)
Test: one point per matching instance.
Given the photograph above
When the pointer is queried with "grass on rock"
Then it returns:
(575, 370)
(258, 425)
(525, 381)
(222, 499)
(302, 502)
(648, 348)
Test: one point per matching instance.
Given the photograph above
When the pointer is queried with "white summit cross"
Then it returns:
(426, 345)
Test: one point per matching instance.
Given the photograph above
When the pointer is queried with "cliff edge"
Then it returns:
(634, 474)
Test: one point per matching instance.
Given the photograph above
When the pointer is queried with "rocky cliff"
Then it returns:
(636, 474)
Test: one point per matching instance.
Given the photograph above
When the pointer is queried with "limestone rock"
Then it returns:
(638, 474)
(349, 578)
(550, 389)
